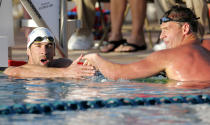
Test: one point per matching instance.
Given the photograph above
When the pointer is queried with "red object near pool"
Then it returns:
(16, 63)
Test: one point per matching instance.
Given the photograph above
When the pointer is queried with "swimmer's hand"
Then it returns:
(89, 60)
(76, 70)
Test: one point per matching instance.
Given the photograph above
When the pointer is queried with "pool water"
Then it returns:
(36, 90)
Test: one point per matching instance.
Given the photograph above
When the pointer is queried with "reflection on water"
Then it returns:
(180, 114)
(43, 90)
(189, 84)
(37, 90)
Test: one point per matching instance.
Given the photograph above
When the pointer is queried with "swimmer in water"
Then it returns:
(185, 58)
(41, 62)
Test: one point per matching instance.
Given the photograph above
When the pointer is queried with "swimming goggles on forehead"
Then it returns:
(39, 39)
(167, 19)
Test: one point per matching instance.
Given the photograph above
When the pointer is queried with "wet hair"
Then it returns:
(183, 14)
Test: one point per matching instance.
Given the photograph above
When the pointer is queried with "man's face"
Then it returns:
(41, 53)
(171, 34)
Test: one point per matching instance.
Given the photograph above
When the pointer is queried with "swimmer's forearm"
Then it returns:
(141, 69)
(73, 71)
(107, 68)
(36, 71)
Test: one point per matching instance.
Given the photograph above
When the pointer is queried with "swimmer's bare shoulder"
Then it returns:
(13, 70)
(206, 44)
(27, 68)
(18, 70)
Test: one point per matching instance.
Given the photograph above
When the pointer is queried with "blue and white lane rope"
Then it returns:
(49, 107)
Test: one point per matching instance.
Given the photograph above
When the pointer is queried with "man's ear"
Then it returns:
(185, 28)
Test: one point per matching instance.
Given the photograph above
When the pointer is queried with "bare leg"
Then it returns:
(86, 14)
(138, 11)
(117, 17)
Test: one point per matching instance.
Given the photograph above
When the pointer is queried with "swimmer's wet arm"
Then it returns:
(73, 71)
(34, 71)
(107, 68)
(149, 66)
(11, 71)
(141, 69)
(104, 66)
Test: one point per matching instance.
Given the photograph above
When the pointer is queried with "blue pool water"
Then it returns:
(18, 91)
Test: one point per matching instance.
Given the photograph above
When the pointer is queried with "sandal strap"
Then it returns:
(115, 44)
(136, 47)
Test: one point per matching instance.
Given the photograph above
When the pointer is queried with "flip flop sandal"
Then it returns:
(135, 47)
(115, 45)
